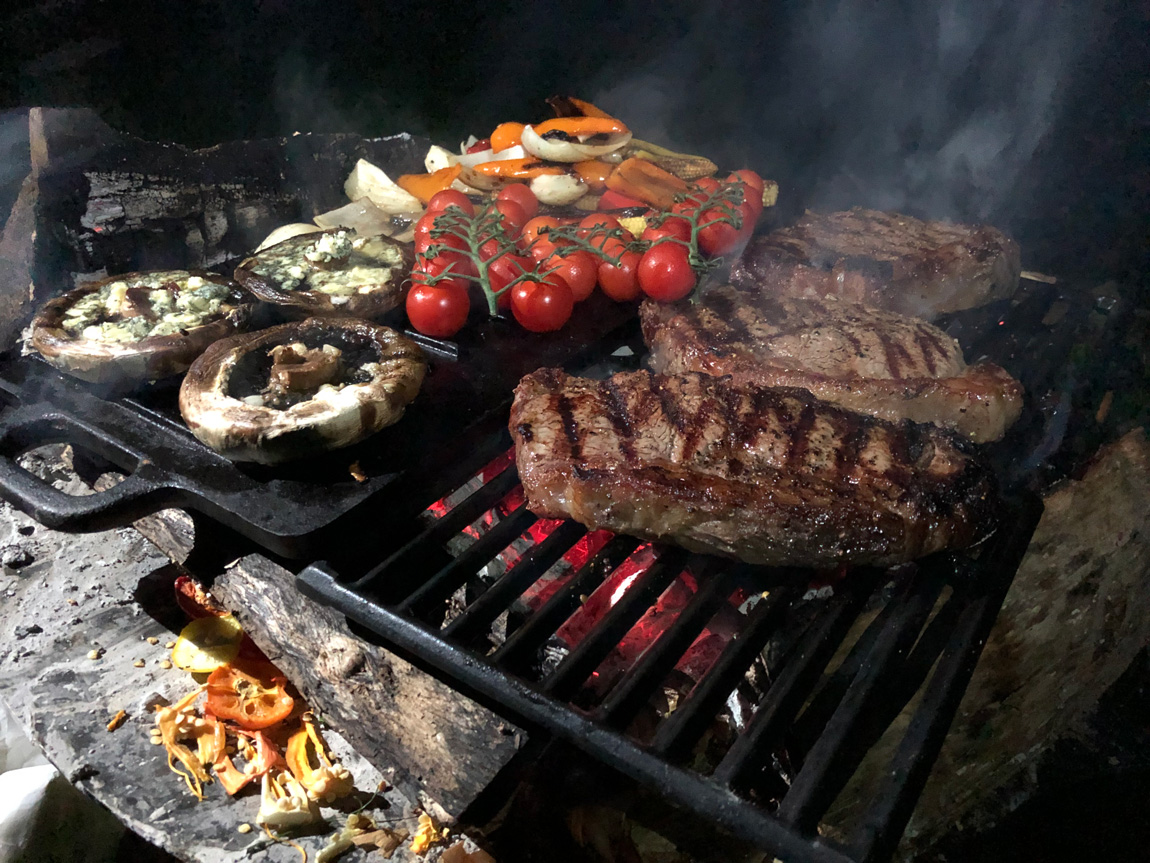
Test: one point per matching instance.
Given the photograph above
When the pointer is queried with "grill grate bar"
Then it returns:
(455, 574)
(783, 700)
(606, 634)
(835, 753)
(681, 785)
(683, 727)
(398, 567)
(829, 693)
(519, 649)
(881, 826)
(475, 620)
(641, 680)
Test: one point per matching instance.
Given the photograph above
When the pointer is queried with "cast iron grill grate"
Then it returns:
(842, 666)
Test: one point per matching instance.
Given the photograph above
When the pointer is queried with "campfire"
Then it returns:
(743, 694)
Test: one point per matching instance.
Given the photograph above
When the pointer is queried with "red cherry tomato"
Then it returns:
(580, 270)
(440, 201)
(705, 187)
(595, 227)
(665, 272)
(423, 238)
(514, 216)
(751, 179)
(588, 224)
(439, 311)
(521, 195)
(720, 237)
(672, 226)
(621, 283)
(542, 307)
(428, 269)
(480, 145)
(504, 270)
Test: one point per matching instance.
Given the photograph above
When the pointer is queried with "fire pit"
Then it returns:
(746, 695)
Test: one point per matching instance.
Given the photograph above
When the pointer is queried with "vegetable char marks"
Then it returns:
(769, 476)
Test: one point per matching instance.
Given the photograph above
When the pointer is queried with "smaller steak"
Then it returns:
(767, 476)
(880, 363)
(886, 260)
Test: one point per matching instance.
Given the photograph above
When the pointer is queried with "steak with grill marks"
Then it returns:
(879, 363)
(770, 476)
(886, 260)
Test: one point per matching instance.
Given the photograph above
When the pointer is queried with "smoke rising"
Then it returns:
(930, 108)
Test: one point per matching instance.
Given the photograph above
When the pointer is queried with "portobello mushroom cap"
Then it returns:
(100, 332)
(318, 274)
(317, 406)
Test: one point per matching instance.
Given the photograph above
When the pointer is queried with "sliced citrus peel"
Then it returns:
(207, 643)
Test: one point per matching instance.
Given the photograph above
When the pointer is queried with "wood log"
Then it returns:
(1073, 622)
(445, 747)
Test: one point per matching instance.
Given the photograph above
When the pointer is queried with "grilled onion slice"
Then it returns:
(300, 389)
(139, 326)
(330, 273)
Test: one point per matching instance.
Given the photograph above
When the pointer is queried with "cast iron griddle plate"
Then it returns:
(287, 509)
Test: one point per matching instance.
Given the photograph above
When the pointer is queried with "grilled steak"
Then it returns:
(769, 476)
(875, 362)
(886, 260)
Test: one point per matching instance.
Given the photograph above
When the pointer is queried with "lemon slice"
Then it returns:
(207, 643)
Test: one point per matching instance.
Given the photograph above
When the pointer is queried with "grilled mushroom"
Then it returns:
(300, 389)
(330, 273)
(139, 326)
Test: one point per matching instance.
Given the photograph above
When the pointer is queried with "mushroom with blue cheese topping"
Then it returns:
(138, 327)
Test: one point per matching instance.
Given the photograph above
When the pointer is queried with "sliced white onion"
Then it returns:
(438, 158)
(473, 159)
(286, 232)
(554, 150)
(473, 180)
(369, 181)
(558, 189)
(367, 219)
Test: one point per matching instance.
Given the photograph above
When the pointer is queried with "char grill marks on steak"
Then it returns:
(880, 363)
(769, 476)
(887, 260)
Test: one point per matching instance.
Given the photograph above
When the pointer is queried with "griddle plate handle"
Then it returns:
(141, 493)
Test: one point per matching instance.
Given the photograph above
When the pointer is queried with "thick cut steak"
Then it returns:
(880, 363)
(770, 476)
(886, 260)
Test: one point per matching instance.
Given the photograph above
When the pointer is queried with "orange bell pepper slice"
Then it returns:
(252, 702)
(425, 186)
(638, 178)
(517, 169)
(594, 173)
(506, 135)
(569, 106)
(581, 127)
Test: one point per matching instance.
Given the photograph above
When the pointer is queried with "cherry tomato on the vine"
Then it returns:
(672, 226)
(751, 179)
(665, 272)
(580, 270)
(438, 310)
(594, 229)
(522, 195)
(721, 236)
(542, 307)
(621, 283)
(427, 270)
(514, 216)
(423, 239)
(503, 271)
(440, 201)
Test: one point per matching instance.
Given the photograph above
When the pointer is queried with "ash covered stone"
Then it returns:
(15, 556)
(25, 631)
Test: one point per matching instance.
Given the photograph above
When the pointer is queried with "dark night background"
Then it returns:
(1032, 115)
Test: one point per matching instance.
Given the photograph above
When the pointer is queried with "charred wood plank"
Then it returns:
(445, 747)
